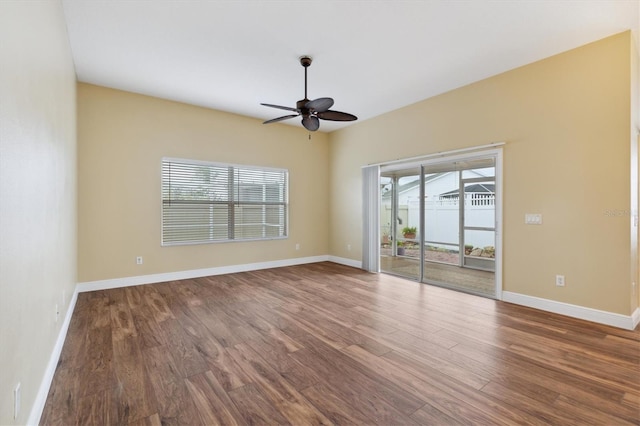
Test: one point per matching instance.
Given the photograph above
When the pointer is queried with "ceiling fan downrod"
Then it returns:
(305, 61)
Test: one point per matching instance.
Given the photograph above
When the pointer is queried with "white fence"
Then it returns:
(442, 219)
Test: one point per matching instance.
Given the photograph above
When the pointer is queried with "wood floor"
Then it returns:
(328, 344)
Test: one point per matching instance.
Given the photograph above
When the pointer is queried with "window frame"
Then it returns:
(232, 203)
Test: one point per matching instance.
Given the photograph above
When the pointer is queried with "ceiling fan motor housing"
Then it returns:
(301, 105)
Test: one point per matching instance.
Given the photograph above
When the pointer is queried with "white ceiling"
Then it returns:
(370, 56)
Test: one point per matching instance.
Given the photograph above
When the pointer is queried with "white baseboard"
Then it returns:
(345, 261)
(635, 317)
(45, 384)
(628, 322)
(194, 273)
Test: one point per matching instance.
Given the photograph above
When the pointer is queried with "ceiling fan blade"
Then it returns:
(285, 117)
(281, 107)
(336, 116)
(320, 104)
(311, 123)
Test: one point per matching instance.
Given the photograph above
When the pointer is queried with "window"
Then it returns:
(210, 202)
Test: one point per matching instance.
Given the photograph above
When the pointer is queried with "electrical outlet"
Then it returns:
(560, 280)
(57, 312)
(16, 401)
(348, 247)
(139, 260)
(297, 246)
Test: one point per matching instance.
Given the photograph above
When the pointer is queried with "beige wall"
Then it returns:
(37, 194)
(566, 123)
(122, 138)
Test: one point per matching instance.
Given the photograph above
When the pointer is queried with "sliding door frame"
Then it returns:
(494, 151)
(463, 227)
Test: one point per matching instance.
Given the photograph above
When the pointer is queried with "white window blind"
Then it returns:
(371, 218)
(210, 202)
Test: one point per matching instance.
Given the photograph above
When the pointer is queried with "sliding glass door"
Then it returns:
(400, 223)
(438, 223)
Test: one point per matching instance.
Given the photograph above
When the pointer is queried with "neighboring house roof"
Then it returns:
(478, 188)
(413, 184)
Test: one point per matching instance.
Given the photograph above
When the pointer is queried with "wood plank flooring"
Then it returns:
(328, 344)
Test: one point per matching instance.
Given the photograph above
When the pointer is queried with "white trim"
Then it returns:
(635, 318)
(345, 261)
(627, 322)
(194, 273)
(215, 164)
(45, 384)
(421, 158)
(499, 176)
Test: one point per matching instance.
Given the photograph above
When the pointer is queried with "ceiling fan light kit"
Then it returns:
(311, 111)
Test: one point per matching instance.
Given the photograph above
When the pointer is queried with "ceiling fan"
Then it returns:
(313, 110)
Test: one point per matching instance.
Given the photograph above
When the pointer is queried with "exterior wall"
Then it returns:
(37, 195)
(565, 121)
(122, 138)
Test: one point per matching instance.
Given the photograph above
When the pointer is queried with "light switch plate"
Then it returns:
(533, 219)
